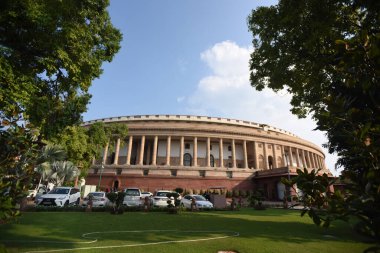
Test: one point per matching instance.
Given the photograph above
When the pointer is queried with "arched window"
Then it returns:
(187, 159)
(212, 161)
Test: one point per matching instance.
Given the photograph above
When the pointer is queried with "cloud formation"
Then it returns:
(226, 92)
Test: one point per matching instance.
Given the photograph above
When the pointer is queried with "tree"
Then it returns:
(326, 54)
(50, 51)
(59, 172)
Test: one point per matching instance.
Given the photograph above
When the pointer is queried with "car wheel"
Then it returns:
(66, 203)
(77, 202)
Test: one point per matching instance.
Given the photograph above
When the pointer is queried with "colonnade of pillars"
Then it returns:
(289, 156)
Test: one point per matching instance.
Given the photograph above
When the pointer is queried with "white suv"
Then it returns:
(60, 196)
(132, 197)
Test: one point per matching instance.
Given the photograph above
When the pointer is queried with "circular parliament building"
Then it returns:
(202, 153)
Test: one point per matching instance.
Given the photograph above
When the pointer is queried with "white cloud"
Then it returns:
(226, 92)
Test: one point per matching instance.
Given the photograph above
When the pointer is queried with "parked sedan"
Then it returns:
(98, 199)
(160, 199)
(200, 201)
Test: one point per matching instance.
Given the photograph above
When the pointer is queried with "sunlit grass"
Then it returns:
(273, 230)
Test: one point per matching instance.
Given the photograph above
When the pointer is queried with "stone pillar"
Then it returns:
(313, 160)
(290, 156)
(130, 142)
(319, 162)
(195, 152)
(265, 156)
(233, 154)
(303, 158)
(117, 150)
(221, 153)
(208, 152)
(245, 154)
(275, 156)
(284, 162)
(105, 154)
(181, 148)
(255, 154)
(154, 156)
(310, 162)
(298, 158)
(142, 146)
(168, 146)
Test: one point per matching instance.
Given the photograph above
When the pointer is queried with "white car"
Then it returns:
(60, 196)
(160, 199)
(37, 191)
(146, 194)
(200, 201)
(98, 199)
(132, 197)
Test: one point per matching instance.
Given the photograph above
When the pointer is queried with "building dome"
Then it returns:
(199, 153)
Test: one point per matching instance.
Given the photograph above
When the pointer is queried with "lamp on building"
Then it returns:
(100, 175)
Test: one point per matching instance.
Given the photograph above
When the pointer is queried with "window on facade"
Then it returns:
(96, 170)
(173, 173)
(118, 171)
(229, 148)
(145, 172)
(270, 162)
(260, 145)
(187, 145)
(229, 174)
(187, 159)
(202, 173)
(210, 147)
(269, 146)
(229, 165)
(212, 161)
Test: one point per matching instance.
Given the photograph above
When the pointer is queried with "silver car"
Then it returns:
(200, 201)
(98, 199)
(132, 197)
(160, 199)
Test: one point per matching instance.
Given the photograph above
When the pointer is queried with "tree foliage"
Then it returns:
(326, 54)
(50, 52)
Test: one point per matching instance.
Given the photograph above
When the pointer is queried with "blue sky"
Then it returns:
(189, 57)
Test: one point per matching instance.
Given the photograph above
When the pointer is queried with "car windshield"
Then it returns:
(59, 191)
(161, 194)
(132, 192)
(198, 197)
(96, 194)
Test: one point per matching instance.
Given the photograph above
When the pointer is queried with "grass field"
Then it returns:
(273, 230)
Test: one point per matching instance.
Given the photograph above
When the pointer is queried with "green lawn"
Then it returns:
(273, 230)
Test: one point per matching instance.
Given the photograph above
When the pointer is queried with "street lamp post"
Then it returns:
(100, 176)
